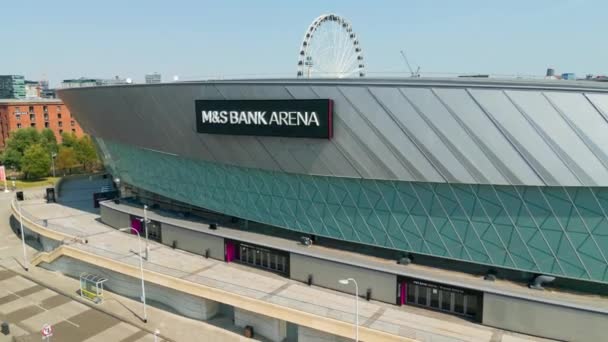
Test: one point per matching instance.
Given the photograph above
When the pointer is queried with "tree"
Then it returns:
(17, 144)
(69, 139)
(66, 159)
(22, 139)
(36, 162)
(48, 140)
(11, 158)
(86, 153)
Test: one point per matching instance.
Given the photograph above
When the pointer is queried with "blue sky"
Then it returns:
(67, 38)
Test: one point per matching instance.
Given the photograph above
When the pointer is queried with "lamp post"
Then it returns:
(146, 229)
(53, 156)
(117, 182)
(141, 268)
(345, 282)
(25, 262)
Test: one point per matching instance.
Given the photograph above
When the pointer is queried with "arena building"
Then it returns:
(451, 194)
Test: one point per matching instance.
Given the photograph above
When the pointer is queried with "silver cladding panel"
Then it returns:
(526, 133)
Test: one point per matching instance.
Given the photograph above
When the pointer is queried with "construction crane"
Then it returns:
(412, 73)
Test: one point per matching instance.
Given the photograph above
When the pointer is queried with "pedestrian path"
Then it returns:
(27, 306)
(403, 322)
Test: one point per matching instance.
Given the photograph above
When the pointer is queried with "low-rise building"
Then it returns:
(38, 113)
(153, 78)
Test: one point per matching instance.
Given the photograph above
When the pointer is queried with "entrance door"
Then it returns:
(229, 250)
(403, 292)
(136, 224)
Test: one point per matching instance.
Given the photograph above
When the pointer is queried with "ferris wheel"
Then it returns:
(330, 49)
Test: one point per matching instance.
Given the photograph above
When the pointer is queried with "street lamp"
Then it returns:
(141, 268)
(146, 229)
(117, 182)
(53, 156)
(25, 262)
(345, 282)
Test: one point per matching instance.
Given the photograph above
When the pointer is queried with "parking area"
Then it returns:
(27, 306)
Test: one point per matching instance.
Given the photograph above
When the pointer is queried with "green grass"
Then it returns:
(21, 184)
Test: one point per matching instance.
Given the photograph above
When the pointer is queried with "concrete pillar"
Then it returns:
(208, 308)
(306, 334)
(272, 328)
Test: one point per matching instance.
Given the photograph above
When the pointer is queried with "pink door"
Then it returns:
(229, 251)
(403, 294)
(136, 224)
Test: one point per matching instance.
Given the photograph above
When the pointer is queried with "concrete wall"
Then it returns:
(327, 273)
(114, 218)
(193, 241)
(545, 320)
(272, 328)
(159, 296)
(306, 334)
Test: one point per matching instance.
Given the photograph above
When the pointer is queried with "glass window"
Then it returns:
(459, 303)
(446, 300)
(60, 124)
(72, 123)
(471, 305)
(411, 294)
(60, 131)
(33, 124)
(273, 261)
(45, 109)
(435, 298)
(18, 125)
(32, 117)
(422, 295)
(46, 117)
(59, 108)
(18, 116)
(73, 130)
(31, 109)
(58, 115)
(46, 125)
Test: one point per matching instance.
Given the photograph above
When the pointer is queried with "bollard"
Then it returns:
(4, 328)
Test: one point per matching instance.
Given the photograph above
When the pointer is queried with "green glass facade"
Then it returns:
(561, 231)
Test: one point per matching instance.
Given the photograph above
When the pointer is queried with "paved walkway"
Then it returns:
(408, 322)
(28, 306)
(49, 291)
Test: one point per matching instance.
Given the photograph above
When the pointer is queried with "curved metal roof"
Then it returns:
(475, 131)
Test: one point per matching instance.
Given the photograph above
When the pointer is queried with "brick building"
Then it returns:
(38, 113)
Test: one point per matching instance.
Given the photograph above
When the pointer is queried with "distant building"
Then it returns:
(32, 89)
(12, 87)
(38, 113)
(153, 78)
(93, 82)
(79, 82)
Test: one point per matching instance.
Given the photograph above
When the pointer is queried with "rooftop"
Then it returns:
(30, 101)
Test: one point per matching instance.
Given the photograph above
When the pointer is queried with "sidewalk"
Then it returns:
(172, 327)
(406, 322)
